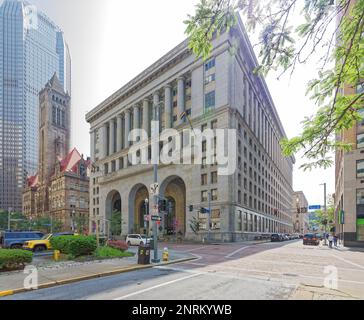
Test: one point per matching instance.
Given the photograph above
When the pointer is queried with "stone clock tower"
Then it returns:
(54, 128)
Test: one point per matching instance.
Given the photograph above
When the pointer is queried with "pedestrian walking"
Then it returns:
(335, 240)
(331, 239)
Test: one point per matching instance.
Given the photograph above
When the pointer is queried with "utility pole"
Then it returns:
(325, 212)
(155, 135)
(9, 218)
(209, 218)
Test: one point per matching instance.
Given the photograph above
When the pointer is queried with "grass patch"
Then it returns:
(108, 252)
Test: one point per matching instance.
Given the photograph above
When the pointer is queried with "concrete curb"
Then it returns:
(93, 276)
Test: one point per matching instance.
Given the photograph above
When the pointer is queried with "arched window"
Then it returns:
(58, 117)
(54, 115)
(63, 120)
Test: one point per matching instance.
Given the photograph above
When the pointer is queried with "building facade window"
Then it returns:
(360, 141)
(204, 196)
(204, 179)
(210, 64)
(210, 100)
(360, 169)
(214, 177)
(214, 195)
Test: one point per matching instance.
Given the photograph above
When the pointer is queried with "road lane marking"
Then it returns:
(158, 286)
(236, 251)
(224, 274)
(195, 249)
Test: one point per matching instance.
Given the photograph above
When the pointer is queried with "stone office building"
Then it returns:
(349, 194)
(220, 93)
(300, 216)
(60, 188)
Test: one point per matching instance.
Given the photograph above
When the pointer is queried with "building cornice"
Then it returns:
(171, 58)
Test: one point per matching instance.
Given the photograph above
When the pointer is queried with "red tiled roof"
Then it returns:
(70, 163)
(32, 181)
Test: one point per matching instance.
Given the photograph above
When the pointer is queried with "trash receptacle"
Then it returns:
(144, 255)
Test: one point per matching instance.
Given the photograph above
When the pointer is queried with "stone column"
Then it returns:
(180, 98)
(168, 108)
(136, 118)
(146, 121)
(155, 103)
(103, 141)
(119, 141)
(127, 129)
(93, 141)
(112, 137)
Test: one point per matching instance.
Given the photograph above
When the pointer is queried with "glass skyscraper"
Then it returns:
(32, 49)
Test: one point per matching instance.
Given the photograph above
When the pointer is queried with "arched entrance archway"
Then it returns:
(112, 224)
(174, 221)
(138, 209)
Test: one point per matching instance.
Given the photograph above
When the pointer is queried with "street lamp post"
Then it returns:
(72, 220)
(155, 135)
(146, 201)
(209, 219)
(9, 218)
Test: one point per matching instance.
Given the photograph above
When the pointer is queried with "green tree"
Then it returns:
(322, 218)
(44, 224)
(195, 225)
(283, 45)
(116, 222)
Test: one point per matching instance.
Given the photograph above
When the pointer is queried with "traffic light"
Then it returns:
(162, 205)
(191, 208)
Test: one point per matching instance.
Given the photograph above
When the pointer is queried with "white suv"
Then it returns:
(137, 239)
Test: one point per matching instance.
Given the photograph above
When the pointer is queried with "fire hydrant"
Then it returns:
(165, 255)
(56, 255)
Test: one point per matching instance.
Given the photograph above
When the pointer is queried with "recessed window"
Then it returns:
(360, 169)
(204, 179)
(210, 78)
(360, 141)
(214, 177)
(210, 64)
(214, 194)
(204, 196)
(210, 100)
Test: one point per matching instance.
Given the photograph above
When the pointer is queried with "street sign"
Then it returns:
(156, 218)
(314, 207)
(154, 189)
(342, 217)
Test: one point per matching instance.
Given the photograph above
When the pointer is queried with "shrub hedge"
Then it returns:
(75, 246)
(14, 259)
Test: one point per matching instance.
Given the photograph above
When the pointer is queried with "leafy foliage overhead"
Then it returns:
(335, 29)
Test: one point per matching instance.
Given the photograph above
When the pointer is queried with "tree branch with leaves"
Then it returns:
(283, 45)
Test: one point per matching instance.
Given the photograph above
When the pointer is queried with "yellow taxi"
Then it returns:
(44, 243)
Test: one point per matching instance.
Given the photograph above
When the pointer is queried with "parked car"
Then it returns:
(289, 236)
(320, 236)
(276, 237)
(310, 239)
(44, 243)
(15, 240)
(137, 240)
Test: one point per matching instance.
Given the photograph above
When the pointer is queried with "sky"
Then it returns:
(112, 41)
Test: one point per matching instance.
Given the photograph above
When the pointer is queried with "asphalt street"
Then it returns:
(271, 271)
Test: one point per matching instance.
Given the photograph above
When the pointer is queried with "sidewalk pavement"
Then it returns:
(53, 274)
